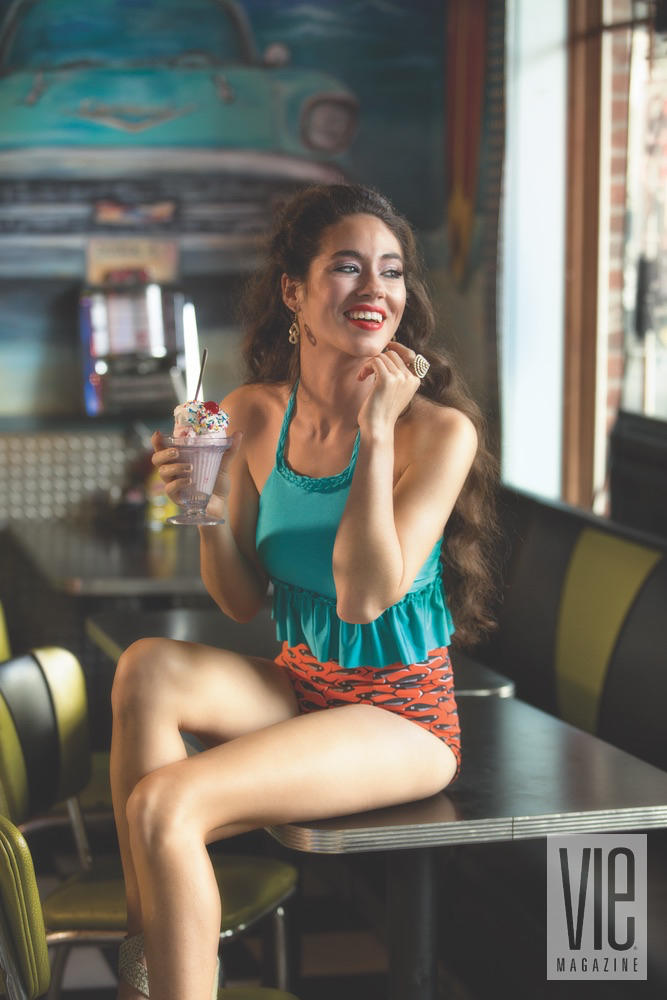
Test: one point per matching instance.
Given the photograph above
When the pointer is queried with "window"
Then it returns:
(584, 285)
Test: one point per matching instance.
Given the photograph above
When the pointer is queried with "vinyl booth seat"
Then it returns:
(582, 631)
(582, 628)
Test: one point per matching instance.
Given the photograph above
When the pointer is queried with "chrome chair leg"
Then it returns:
(280, 945)
(60, 956)
(79, 830)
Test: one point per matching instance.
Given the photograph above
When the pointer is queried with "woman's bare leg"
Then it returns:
(160, 686)
(327, 763)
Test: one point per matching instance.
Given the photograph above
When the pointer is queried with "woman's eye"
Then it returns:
(391, 272)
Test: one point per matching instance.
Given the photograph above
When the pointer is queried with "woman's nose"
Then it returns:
(372, 286)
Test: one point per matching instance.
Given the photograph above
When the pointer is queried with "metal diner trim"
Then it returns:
(322, 841)
(612, 820)
(365, 839)
(112, 649)
(503, 691)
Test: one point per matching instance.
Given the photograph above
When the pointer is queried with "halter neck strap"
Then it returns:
(324, 483)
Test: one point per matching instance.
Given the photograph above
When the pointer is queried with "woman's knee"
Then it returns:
(143, 672)
(158, 816)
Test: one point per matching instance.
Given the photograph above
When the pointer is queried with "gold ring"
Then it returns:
(420, 365)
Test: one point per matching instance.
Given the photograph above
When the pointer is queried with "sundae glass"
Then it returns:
(200, 439)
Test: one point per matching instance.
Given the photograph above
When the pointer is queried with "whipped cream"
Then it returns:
(194, 418)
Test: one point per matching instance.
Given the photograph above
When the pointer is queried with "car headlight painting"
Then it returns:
(328, 124)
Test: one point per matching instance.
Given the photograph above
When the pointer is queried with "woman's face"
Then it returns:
(354, 296)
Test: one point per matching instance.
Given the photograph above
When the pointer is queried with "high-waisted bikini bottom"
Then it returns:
(422, 692)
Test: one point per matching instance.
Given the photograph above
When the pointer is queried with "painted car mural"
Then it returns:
(157, 114)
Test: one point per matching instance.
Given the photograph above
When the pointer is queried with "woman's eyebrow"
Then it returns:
(355, 253)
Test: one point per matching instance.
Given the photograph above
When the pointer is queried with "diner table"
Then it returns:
(525, 774)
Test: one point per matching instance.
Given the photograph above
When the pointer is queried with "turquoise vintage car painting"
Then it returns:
(134, 101)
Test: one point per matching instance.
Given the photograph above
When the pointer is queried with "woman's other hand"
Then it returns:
(394, 385)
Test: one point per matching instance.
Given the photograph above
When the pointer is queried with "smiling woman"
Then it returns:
(311, 257)
(345, 472)
(354, 284)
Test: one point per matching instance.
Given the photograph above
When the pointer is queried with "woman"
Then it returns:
(351, 454)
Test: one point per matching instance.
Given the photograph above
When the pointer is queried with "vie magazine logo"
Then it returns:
(596, 906)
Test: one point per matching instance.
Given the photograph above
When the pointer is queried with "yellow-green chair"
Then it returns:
(44, 759)
(95, 798)
(5, 651)
(24, 959)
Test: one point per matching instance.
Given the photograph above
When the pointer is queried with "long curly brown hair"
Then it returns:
(295, 240)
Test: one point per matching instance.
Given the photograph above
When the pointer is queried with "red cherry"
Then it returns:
(211, 407)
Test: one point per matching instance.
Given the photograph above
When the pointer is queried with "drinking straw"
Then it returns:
(201, 371)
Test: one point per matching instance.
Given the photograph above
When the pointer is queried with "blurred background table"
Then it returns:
(113, 632)
(90, 559)
(54, 574)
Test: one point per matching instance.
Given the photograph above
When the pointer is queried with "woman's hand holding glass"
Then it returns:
(176, 473)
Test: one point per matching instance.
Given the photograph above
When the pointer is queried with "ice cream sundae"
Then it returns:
(194, 418)
(200, 439)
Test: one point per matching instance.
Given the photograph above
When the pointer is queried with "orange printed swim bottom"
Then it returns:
(422, 692)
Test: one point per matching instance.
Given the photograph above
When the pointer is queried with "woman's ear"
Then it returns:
(289, 286)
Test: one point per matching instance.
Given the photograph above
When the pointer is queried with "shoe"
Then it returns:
(129, 967)
(135, 973)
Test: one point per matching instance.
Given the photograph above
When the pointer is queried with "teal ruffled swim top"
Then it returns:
(296, 530)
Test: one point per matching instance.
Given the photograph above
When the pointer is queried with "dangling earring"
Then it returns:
(294, 331)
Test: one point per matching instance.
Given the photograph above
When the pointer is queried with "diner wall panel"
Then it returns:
(49, 475)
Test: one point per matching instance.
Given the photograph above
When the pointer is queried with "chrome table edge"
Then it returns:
(321, 841)
(609, 820)
(301, 837)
